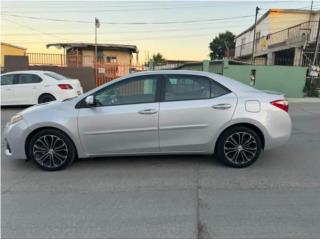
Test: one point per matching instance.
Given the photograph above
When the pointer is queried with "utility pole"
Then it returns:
(254, 35)
(317, 45)
(96, 26)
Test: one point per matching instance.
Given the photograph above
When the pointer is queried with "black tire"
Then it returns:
(51, 150)
(46, 97)
(239, 147)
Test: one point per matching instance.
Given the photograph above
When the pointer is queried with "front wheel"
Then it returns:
(51, 149)
(239, 147)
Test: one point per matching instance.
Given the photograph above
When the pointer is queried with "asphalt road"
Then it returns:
(170, 197)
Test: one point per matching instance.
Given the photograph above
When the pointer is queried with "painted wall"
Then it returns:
(286, 79)
(289, 80)
(10, 50)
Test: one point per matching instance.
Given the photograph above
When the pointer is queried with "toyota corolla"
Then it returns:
(149, 113)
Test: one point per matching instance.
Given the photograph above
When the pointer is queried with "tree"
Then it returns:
(158, 59)
(220, 44)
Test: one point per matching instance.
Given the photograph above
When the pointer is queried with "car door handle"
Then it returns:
(222, 106)
(148, 111)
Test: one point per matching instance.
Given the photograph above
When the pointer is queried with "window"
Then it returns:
(55, 75)
(218, 90)
(7, 79)
(27, 78)
(110, 59)
(187, 87)
(131, 91)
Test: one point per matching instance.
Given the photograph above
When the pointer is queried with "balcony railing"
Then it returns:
(298, 34)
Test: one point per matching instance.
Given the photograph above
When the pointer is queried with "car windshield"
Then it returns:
(55, 75)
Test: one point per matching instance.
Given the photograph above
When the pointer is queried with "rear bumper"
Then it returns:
(278, 131)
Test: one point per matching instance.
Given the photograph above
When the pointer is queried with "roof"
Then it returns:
(11, 45)
(276, 10)
(107, 46)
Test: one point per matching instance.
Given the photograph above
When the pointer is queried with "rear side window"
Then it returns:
(190, 87)
(55, 75)
(7, 79)
(27, 78)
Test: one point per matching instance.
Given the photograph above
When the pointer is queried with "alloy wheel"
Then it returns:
(240, 148)
(50, 151)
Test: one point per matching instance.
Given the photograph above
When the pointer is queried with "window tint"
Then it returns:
(7, 79)
(28, 78)
(186, 87)
(130, 91)
(218, 90)
(55, 75)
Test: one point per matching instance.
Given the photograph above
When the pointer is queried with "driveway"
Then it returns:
(170, 197)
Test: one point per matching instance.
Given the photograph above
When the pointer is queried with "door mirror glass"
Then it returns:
(90, 101)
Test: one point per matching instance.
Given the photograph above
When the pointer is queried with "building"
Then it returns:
(11, 50)
(283, 37)
(83, 53)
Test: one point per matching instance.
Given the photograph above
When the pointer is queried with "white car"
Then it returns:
(33, 87)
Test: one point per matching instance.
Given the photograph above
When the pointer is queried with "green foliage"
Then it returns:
(220, 43)
(158, 59)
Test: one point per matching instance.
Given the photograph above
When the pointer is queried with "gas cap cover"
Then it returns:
(253, 106)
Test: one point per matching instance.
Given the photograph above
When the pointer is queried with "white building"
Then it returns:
(283, 37)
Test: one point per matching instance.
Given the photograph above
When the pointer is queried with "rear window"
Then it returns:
(55, 75)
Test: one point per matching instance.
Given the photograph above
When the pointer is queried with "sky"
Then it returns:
(180, 30)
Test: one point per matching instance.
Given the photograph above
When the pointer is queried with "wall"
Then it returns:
(285, 79)
(10, 50)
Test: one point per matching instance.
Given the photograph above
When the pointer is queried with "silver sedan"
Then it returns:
(161, 112)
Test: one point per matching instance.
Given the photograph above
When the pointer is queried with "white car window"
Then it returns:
(28, 78)
(55, 75)
(7, 79)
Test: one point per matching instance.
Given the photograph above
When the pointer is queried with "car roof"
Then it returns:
(26, 71)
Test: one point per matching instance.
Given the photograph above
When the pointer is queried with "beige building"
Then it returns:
(83, 53)
(11, 50)
(283, 37)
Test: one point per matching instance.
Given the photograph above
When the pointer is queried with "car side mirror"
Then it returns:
(90, 101)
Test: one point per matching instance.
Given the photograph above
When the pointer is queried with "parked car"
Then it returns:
(161, 112)
(33, 87)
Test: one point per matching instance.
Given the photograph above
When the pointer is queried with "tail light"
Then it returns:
(65, 86)
(282, 104)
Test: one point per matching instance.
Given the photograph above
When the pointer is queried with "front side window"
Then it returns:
(131, 91)
(184, 87)
(7, 79)
(28, 78)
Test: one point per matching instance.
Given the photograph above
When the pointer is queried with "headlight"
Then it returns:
(15, 118)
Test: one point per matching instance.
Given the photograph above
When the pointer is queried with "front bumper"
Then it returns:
(15, 137)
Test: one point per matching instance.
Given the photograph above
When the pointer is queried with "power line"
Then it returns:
(45, 33)
(130, 23)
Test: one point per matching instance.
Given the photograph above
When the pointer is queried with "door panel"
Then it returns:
(193, 111)
(125, 118)
(28, 87)
(119, 129)
(7, 94)
(189, 126)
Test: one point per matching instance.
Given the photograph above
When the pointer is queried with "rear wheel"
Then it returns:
(46, 98)
(51, 149)
(239, 147)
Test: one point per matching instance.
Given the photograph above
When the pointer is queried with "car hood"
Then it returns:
(45, 106)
